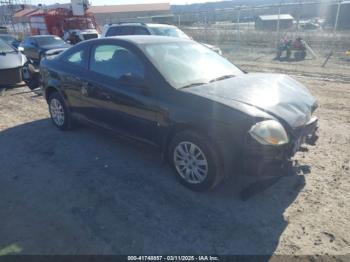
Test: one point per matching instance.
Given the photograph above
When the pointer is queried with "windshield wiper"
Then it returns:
(221, 78)
(193, 84)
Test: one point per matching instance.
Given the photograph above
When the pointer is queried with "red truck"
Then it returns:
(63, 23)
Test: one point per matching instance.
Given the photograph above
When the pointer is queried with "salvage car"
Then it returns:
(36, 47)
(14, 67)
(205, 114)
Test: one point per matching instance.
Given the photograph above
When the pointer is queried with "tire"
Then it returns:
(279, 53)
(288, 54)
(198, 171)
(303, 55)
(59, 112)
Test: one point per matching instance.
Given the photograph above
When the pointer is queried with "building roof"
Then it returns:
(102, 9)
(275, 17)
(24, 12)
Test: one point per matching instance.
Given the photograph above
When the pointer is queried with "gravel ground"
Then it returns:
(86, 192)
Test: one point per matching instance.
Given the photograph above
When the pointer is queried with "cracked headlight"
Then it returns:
(269, 132)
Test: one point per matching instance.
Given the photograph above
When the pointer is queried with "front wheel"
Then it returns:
(195, 161)
(58, 111)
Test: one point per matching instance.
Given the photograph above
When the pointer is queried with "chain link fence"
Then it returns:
(236, 31)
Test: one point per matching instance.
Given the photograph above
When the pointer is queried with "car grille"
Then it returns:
(90, 36)
(11, 76)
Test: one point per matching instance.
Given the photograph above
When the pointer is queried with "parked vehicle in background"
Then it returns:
(149, 29)
(11, 40)
(204, 113)
(36, 47)
(63, 23)
(14, 67)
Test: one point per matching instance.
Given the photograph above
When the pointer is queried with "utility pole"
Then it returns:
(337, 18)
(278, 22)
(238, 26)
(334, 33)
(299, 15)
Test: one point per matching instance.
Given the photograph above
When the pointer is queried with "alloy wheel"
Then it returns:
(57, 112)
(190, 162)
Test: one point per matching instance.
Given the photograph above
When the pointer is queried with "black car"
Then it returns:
(11, 40)
(205, 114)
(35, 47)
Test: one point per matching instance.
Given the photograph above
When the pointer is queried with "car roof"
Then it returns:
(160, 25)
(144, 39)
(140, 24)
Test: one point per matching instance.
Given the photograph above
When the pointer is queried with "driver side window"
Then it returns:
(115, 61)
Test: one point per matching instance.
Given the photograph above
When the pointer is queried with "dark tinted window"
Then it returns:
(49, 40)
(120, 30)
(139, 30)
(115, 61)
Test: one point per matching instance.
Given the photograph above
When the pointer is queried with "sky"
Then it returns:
(116, 2)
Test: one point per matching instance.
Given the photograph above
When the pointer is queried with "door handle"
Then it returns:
(144, 90)
(85, 88)
(105, 96)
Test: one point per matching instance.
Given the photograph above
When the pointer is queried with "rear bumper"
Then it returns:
(265, 161)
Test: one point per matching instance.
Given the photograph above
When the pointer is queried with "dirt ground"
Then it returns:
(86, 192)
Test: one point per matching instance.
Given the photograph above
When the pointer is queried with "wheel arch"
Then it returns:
(178, 128)
(50, 90)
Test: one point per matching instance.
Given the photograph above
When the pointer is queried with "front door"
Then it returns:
(119, 89)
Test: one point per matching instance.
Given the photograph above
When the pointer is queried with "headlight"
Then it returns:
(269, 132)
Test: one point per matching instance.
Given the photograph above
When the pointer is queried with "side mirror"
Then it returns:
(20, 49)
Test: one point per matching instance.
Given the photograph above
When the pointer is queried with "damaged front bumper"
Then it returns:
(265, 160)
(31, 76)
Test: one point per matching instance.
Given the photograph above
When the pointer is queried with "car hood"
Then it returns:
(278, 95)
(12, 60)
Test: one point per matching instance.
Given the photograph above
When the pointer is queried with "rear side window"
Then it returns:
(77, 58)
(115, 61)
(119, 30)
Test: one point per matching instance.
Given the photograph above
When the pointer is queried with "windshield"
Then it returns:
(169, 31)
(5, 48)
(7, 38)
(187, 63)
(49, 40)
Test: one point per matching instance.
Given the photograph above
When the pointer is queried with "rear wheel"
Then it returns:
(58, 111)
(195, 161)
